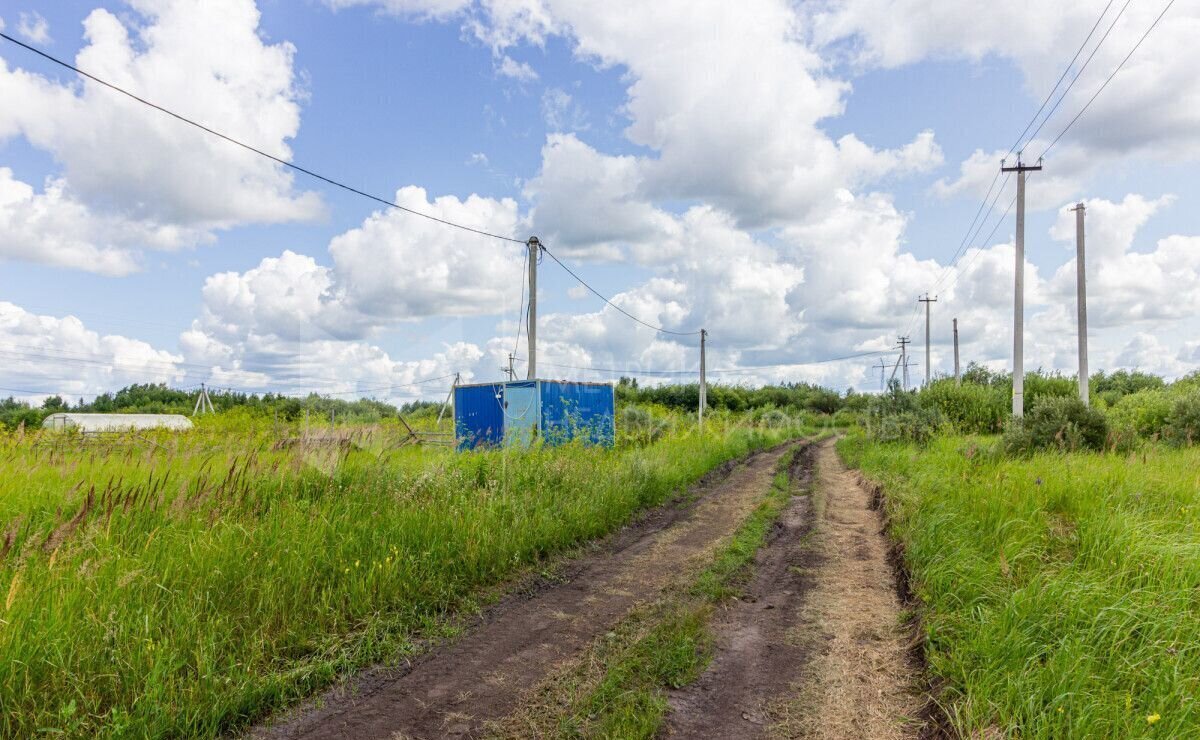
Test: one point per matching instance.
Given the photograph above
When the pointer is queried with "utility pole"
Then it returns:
(1018, 396)
(454, 385)
(928, 367)
(1081, 301)
(508, 369)
(203, 403)
(957, 374)
(703, 379)
(882, 366)
(535, 252)
(904, 358)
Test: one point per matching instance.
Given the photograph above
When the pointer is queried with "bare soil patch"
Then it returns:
(816, 648)
(455, 689)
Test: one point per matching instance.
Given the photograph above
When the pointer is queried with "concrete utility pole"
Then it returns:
(535, 251)
(203, 403)
(882, 366)
(1018, 397)
(957, 374)
(904, 359)
(703, 379)
(1081, 292)
(508, 369)
(928, 372)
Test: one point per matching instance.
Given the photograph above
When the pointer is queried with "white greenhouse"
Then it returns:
(93, 423)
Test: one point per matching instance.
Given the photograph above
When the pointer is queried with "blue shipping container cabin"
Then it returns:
(521, 411)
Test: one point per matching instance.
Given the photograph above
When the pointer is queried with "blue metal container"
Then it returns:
(521, 412)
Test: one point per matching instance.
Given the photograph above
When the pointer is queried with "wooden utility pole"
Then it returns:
(928, 367)
(957, 374)
(535, 252)
(454, 385)
(703, 379)
(1081, 304)
(1018, 393)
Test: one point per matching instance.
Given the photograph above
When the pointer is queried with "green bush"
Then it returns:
(1183, 424)
(1057, 423)
(970, 408)
(917, 426)
(1113, 387)
(1144, 412)
(1040, 385)
(775, 419)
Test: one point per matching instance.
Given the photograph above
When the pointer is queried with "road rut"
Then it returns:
(454, 690)
(815, 649)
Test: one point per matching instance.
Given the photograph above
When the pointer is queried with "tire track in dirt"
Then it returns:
(815, 649)
(454, 690)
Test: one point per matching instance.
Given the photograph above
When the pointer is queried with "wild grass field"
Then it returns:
(1060, 591)
(185, 585)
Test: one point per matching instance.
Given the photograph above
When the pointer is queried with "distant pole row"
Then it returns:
(1018, 379)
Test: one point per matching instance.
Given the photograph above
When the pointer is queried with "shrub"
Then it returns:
(1115, 386)
(969, 407)
(638, 427)
(845, 418)
(1040, 385)
(1183, 424)
(918, 426)
(775, 419)
(1057, 423)
(1145, 412)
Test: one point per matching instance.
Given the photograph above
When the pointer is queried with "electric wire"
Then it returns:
(967, 241)
(521, 313)
(744, 369)
(1077, 116)
(979, 250)
(602, 297)
(248, 147)
(1078, 74)
(1109, 79)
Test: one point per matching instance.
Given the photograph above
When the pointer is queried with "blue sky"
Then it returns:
(700, 176)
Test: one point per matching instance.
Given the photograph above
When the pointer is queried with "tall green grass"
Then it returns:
(185, 586)
(1061, 593)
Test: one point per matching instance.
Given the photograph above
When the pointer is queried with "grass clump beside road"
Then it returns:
(189, 585)
(666, 645)
(1060, 591)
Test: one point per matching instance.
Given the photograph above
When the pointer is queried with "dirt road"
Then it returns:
(816, 648)
(454, 690)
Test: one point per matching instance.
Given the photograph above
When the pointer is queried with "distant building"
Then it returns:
(92, 423)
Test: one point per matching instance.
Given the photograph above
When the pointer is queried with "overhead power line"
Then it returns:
(1077, 116)
(977, 223)
(27, 391)
(1074, 79)
(323, 178)
(1099, 90)
(986, 239)
(745, 369)
(256, 150)
(602, 297)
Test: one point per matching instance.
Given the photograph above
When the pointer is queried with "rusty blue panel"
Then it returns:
(478, 416)
(578, 411)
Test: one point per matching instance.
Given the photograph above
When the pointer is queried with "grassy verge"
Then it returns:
(181, 591)
(619, 689)
(1061, 593)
